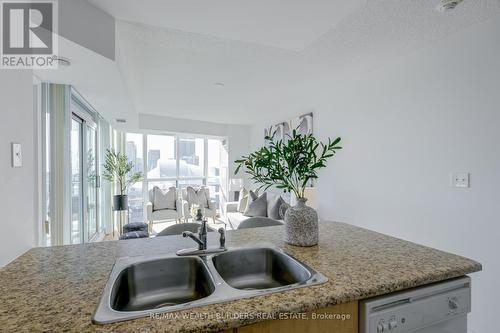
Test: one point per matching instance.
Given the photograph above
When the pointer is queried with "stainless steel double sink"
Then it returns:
(141, 286)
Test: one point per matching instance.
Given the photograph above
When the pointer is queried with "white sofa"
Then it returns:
(234, 217)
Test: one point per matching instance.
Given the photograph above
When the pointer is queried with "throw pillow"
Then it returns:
(273, 210)
(197, 197)
(242, 202)
(256, 206)
(284, 207)
(164, 200)
(252, 195)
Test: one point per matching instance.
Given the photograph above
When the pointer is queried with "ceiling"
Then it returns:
(271, 56)
(287, 24)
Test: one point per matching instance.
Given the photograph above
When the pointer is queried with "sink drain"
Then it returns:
(164, 305)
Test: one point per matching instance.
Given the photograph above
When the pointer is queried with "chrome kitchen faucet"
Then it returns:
(201, 240)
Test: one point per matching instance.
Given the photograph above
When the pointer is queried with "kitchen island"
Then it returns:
(56, 289)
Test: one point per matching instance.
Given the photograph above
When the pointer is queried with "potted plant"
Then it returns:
(291, 164)
(118, 170)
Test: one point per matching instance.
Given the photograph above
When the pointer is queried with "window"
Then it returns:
(191, 157)
(134, 152)
(171, 160)
(161, 161)
(192, 182)
(214, 157)
(214, 151)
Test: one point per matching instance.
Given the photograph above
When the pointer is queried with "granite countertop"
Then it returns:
(56, 289)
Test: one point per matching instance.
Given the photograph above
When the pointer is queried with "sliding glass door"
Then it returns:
(74, 138)
(83, 173)
(91, 191)
(76, 222)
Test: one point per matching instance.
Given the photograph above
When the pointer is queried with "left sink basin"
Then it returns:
(136, 288)
(159, 283)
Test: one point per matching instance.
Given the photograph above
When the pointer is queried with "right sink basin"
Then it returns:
(259, 269)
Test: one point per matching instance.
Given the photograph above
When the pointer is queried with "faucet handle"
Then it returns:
(203, 227)
(199, 215)
(222, 239)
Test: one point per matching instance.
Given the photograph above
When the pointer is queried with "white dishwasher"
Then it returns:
(435, 308)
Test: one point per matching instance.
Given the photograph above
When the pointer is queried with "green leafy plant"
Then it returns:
(289, 164)
(118, 169)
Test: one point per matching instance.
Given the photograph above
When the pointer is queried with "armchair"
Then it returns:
(154, 215)
(210, 211)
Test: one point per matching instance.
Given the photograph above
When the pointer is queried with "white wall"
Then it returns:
(18, 185)
(405, 128)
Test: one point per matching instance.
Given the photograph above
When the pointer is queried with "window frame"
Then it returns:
(177, 179)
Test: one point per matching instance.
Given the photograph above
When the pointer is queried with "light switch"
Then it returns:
(460, 179)
(17, 155)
